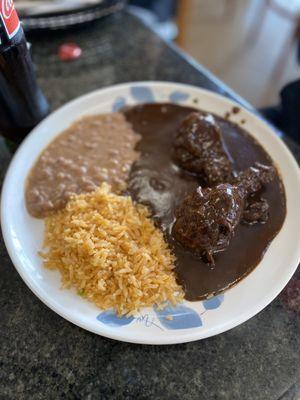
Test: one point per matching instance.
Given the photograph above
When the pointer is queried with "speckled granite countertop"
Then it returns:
(42, 356)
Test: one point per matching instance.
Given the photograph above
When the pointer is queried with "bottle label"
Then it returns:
(9, 17)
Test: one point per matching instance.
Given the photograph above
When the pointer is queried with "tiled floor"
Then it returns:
(218, 37)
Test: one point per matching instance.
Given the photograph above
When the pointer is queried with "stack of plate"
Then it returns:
(57, 14)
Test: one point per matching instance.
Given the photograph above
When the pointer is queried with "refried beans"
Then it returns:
(95, 149)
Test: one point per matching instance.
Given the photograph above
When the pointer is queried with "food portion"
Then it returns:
(206, 220)
(199, 149)
(256, 211)
(251, 182)
(109, 250)
(153, 204)
(253, 213)
(95, 149)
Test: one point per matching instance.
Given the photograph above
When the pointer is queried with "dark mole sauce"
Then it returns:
(161, 185)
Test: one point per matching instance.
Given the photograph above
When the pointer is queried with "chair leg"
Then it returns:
(286, 49)
(183, 9)
(256, 27)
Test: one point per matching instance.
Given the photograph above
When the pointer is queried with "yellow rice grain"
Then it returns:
(108, 248)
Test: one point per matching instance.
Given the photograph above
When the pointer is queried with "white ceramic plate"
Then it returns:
(192, 320)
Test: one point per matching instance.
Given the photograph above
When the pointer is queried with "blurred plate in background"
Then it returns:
(39, 7)
(58, 14)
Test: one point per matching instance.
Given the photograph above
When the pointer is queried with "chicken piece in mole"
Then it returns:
(199, 149)
(252, 181)
(256, 211)
(254, 178)
(207, 218)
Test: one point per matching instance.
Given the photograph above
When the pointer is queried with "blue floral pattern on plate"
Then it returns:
(119, 103)
(142, 94)
(171, 317)
(111, 319)
(178, 96)
(179, 317)
(214, 302)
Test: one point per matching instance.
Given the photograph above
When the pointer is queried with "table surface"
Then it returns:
(42, 356)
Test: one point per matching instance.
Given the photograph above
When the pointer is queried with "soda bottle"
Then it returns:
(22, 103)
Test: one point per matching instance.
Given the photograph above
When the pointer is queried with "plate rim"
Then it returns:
(125, 336)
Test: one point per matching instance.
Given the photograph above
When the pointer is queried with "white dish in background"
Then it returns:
(34, 7)
(194, 320)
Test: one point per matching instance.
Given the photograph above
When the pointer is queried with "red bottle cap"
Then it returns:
(69, 52)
